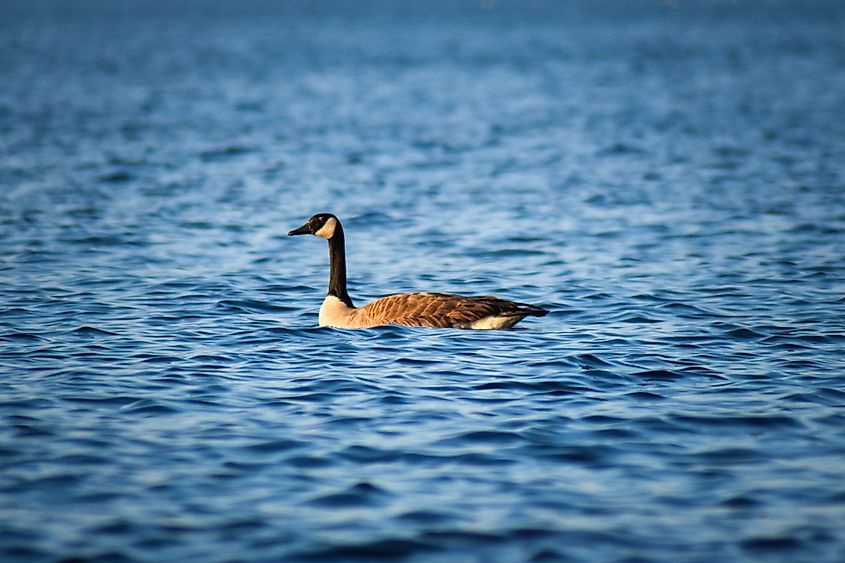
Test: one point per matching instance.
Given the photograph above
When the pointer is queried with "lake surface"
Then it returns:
(667, 178)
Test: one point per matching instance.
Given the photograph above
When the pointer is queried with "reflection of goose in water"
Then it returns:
(410, 309)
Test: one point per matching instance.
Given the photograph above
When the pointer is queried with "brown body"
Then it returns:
(438, 310)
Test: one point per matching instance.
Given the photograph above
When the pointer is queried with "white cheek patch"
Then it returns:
(327, 230)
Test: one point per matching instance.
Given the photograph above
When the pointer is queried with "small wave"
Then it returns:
(592, 360)
(645, 396)
(620, 148)
(383, 549)
(117, 177)
(147, 406)
(744, 334)
(16, 405)
(224, 153)
(253, 306)
(483, 436)
(359, 495)
(21, 337)
(741, 502)
(752, 421)
(590, 456)
(109, 400)
(274, 446)
(776, 544)
(731, 456)
(657, 374)
(91, 331)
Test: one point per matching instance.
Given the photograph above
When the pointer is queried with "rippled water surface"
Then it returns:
(667, 178)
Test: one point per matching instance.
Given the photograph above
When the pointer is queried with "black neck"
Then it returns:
(337, 266)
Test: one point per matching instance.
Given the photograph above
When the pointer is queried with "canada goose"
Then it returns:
(438, 310)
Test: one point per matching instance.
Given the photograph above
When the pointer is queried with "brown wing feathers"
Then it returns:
(443, 310)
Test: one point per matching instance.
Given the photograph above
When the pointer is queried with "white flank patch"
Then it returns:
(494, 323)
(327, 230)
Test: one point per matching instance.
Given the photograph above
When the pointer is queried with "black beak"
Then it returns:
(303, 230)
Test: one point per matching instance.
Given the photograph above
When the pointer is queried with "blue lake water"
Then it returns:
(667, 178)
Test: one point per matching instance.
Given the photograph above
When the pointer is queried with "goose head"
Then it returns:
(321, 225)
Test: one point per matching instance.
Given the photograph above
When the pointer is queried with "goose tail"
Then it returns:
(525, 310)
